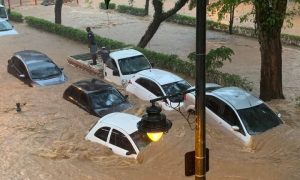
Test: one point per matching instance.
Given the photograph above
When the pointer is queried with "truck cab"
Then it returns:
(3, 13)
(121, 65)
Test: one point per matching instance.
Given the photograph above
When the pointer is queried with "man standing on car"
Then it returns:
(92, 45)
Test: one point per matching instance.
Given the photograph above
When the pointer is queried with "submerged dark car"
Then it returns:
(96, 97)
(35, 68)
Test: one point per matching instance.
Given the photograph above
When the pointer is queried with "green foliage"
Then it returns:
(131, 10)
(170, 62)
(214, 60)
(71, 33)
(215, 57)
(226, 79)
(15, 16)
(110, 6)
(182, 19)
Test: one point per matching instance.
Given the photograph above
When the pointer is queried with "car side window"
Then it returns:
(83, 100)
(102, 133)
(119, 139)
(19, 65)
(231, 118)
(75, 94)
(111, 64)
(150, 86)
(213, 104)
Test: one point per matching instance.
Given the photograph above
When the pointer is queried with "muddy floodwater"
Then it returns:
(46, 139)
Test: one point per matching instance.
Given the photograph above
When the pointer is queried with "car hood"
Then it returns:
(118, 108)
(8, 32)
(55, 80)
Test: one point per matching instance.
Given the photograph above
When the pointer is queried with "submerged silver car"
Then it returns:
(35, 68)
(236, 110)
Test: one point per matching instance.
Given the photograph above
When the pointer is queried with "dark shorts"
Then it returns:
(93, 49)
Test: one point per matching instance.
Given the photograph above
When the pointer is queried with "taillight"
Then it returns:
(184, 97)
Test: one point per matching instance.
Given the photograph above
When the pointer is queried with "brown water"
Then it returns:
(46, 140)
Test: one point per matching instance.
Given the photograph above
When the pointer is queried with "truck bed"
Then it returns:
(82, 61)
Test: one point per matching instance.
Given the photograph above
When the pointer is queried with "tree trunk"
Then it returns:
(231, 19)
(152, 28)
(57, 11)
(147, 7)
(158, 17)
(269, 33)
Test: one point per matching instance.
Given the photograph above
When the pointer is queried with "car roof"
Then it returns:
(31, 56)
(238, 98)
(92, 85)
(121, 54)
(125, 121)
(160, 76)
(1, 5)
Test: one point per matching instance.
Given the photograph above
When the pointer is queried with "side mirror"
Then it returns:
(116, 73)
(22, 76)
(61, 68)
(235, 128)
(279, 115)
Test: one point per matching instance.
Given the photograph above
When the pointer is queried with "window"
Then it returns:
(213, 104)
(75, 94)
(102, 133)
(131, 65)
(107, 98)
(174, 88)
(119, 139)
(83, 100)
(223, 111)
(230, 117)
(150, 86)
(111, 64)
(19, 65)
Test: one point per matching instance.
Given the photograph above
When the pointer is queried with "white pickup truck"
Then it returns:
(116, 66)
(120, 65)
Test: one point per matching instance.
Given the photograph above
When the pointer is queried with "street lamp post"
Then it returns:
(154, 123)
(200, 142)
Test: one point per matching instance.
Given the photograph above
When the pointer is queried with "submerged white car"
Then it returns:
(153, 83)
(6, 28)
(237, 111)
(118, 131)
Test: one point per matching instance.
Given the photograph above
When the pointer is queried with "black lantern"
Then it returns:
(154, 123)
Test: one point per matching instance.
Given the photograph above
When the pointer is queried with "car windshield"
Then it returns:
(43, 70)
(5, 26)
(258, 119)
(133, 65)
(141, 140)
(176, 87)
(2, 12)
(106, 98)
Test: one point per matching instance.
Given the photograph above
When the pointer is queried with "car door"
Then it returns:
(111, 72)
(120, 144)
(225, 116)
(78, 97)
(100, 135)
(18, 69)
(147, 89)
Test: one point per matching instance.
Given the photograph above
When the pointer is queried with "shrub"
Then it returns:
(71, 33)
(110, 6)
(15, 16)
(131, 10)
(170, 62)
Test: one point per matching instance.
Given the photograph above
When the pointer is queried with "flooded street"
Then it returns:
(46, 139)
